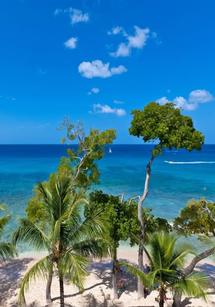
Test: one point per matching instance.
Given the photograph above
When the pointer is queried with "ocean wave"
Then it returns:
(189, 162)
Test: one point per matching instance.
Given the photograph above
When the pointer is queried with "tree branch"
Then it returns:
(189, 269)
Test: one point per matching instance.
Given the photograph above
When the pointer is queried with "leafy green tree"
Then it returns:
(123, 224)
(165, 126)
(80, 166)
(7, 249)
(121, 220)
(198, 217)
(167, 260)
(67, 236)
(89, 149)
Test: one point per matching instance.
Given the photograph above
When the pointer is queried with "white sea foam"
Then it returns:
(189, 162)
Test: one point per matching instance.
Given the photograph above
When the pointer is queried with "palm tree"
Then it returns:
(167, 259)
(7, 249)
(68, 236)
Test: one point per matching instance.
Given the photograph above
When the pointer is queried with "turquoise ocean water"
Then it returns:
(177, 176)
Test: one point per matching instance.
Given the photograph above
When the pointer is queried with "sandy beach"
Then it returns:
(97, 291)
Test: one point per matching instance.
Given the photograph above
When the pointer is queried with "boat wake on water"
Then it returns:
(189, 162)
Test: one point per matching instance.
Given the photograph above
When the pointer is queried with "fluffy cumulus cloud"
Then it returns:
(99, 69)
(195, 98)
(106, 109)
(71, 43)
(76, 15)
(136, 41)
(94, 90)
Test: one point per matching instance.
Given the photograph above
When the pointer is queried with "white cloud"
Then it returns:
(195, 98)
(116, 30)
(200, 96)
(136, 41)
(162, 100)
(71, 43)
(94, 90)
(106, 109)
(77, 16)
(99, 69)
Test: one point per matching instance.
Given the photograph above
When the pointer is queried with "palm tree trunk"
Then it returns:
(177, 299)
(48, 285)
(161, 303)
(142, 226)
(61, 285)
(114, 271)
(162, 294)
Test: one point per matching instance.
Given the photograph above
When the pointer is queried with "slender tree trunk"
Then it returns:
(114, 271)
(140, 287)
(161, 303)
(142, 226)
(177, 299)
(162, 294)
(48, 286)
(61, 285)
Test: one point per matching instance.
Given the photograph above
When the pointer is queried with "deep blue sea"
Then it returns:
(177, 176)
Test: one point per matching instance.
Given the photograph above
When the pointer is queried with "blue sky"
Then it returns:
(96, 60)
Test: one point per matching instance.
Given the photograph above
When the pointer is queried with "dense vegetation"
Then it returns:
(73, 223)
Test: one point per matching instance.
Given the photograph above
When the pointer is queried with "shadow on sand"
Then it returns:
(10, 273)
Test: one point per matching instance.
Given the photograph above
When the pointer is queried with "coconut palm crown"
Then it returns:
(167, 259)
(63, 231)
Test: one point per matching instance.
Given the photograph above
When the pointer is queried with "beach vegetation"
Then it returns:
(67, 235)
(123, 225)
(167, 128)
(88, 149)
(7, 249)
(196, 218)
(167, 259)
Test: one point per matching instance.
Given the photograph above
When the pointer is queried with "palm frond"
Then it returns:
(30, 233)
(39, 269)
(3, 222)
(91, 248)
(194, 285)
(94, 226)
(148, 279)
(7, 250)
(74, 267)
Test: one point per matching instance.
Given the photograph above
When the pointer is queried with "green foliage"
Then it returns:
(165, 125)
(7, 249)
(198, 217)
(122, 217)
(67, 235)
(167, 259)
(89, 149)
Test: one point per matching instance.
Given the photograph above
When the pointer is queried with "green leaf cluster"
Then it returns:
(89, 149)
(7, 249)
(166, 126)
(198, 217)
(122, 218)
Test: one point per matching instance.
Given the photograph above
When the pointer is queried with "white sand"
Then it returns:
(98, 285)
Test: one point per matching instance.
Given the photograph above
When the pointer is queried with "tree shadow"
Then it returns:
(103, 270)
(10, 274)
